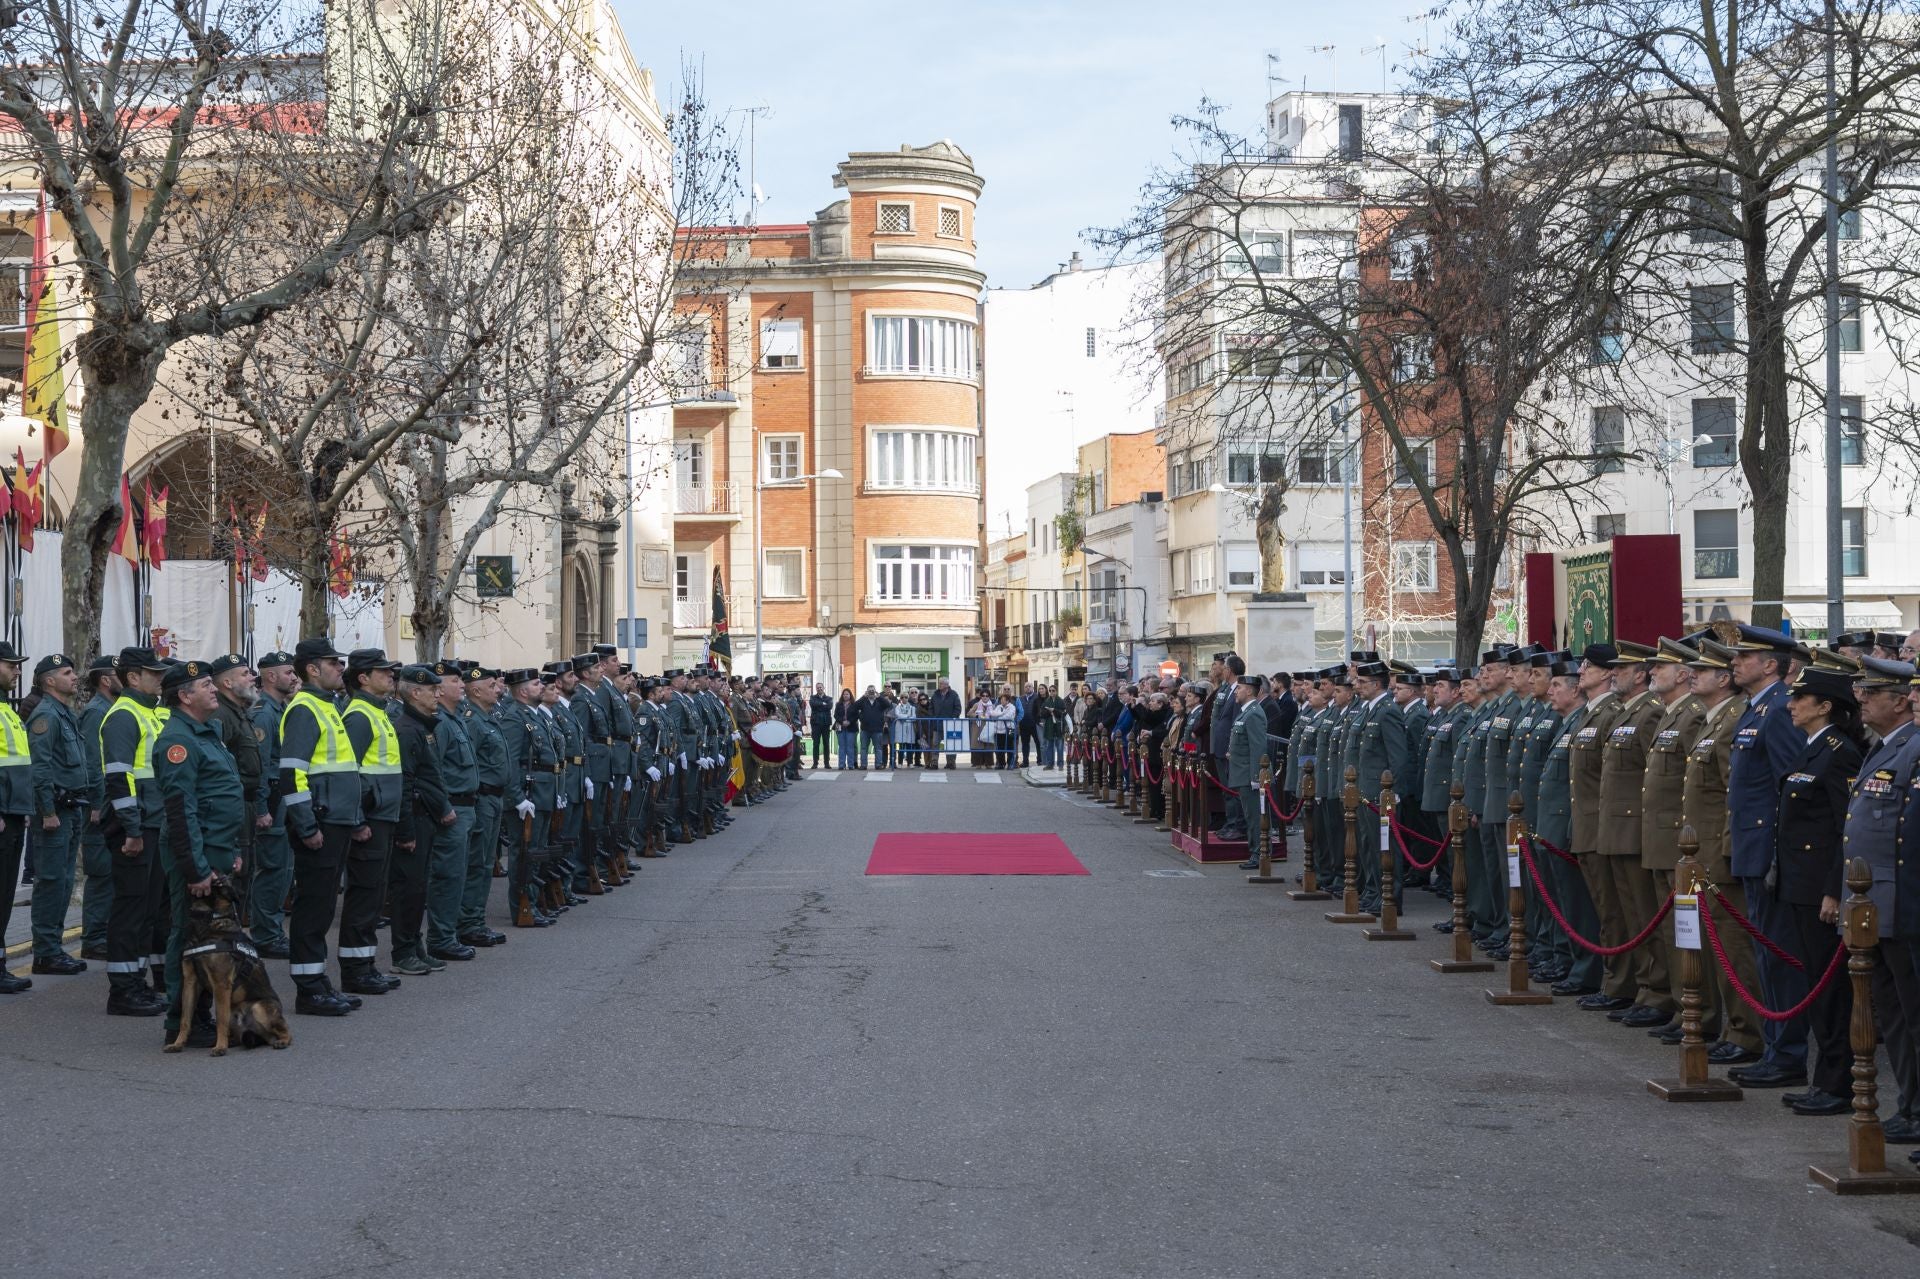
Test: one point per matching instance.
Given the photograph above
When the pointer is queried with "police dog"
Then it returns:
(218, 957)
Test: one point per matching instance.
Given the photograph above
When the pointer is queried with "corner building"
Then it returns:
(849, 344)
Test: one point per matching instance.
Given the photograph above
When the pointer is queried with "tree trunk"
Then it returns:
(1470, 604)
(314, 571)
(1766, 451)
(116, 384)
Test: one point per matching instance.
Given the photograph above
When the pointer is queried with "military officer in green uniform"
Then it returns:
(480, 716)
(233, 680)
(272, 870)
(650, 768)
(1409, 694)
(205, 805)
(1553, 824)
(61, 794)
(320, 800)
(1329, 779)
(617, 848)
(1495, 728)
(1246, 747)
(593, 713)
(530, 789)
(425, 811)
(1589, 733)
(1376, 744)
(1436, 779)
(447, 861)
(1533, 739)
(683, 743)
(100, 688)
(1313, 703)
(1470, 772)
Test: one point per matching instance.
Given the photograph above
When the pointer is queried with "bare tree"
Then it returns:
(1711, 121)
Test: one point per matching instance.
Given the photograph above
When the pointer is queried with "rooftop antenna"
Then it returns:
(1380, 49)
(1273, 74)
(755, 196)
(1333, 65)
(1425, 48)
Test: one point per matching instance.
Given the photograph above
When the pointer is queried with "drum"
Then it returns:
(771, 741)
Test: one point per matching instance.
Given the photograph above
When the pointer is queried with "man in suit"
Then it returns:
(1766, 747)
(1246, 747)
(1376, 744)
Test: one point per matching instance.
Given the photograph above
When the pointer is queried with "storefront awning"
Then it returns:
(1862, 615)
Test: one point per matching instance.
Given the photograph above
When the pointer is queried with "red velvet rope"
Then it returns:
(1216, 781)
(1779, 952)
(1561, 853)
(1719, 953)
(1274, 795)
(1553, 909)
(1439, 851)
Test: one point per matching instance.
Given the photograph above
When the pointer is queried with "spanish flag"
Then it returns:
(44, 394)
(126, 538)
(154, 543)
(26, 498)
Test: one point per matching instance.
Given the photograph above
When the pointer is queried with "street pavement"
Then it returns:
(756, 1061)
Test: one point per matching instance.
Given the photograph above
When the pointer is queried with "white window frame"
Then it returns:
(800, 573)
(768, 448)
(1421, 557)
(1325, 560)
(1413, 358)
(912, 586)
(1348, 266)
(1420, 448)
(1332, 450)
(24, 269)
(926, 459)
(783, 324)
(959, 222)
(962, 342)
(880, 216)
(1241, 559)
(1407, 253)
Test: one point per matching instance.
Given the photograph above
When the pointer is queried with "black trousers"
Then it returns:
(822, 752)
(1896, 1011)
(1812, 943)
(13, 843)
(316, 884)
(406, 882)
(1029, 736)
(139, 908)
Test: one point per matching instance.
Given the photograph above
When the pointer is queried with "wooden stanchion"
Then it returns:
(1309, 890)
(1464, 960)
(1166, 784)
(1143, 770)
(1122, 773)
(1866, 1172)
(1696, 1082)
(1389, 929)
(1068, 745)
(1265, 874)
(1519, 991)
(1350, 799)
(1177, 809)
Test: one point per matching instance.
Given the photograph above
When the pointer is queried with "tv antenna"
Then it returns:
(1333, 64)
(1380, 49)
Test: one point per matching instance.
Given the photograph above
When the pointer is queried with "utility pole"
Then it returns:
(1836, 555)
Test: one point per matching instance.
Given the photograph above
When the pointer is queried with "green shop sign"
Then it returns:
(913, 661)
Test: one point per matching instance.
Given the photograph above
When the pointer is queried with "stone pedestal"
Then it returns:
(1273, 631)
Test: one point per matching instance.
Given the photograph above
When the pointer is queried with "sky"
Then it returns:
(1065, 108)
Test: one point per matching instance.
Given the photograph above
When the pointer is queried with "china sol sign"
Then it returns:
(913, 661)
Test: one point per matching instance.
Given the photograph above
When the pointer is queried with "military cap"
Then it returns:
(1851, 639)
(1249, 681)
(1832, 686)
(319, 646)
(479, 672)
(371, 659)
(1565, 667)
(226, 662)
(1632, 654)
(1223, 655)
(1601, 655)
(581, 661)
(1498, 653)
(1754, 639)
(448, 668)
(1469, 672)
(605, 650)
(1443, 675)
(521, 675)
(1339, 678)
(1412, 679)
(1373, 670)
(1882, 674)
(8, 653)
(675, 673)
(278, 657)
(1672, 652)
(1888, 639)
(1527, 652)
(1400, 667)
(130, 659)
(626, 668)
(1827, 659)
(1305, 677)
(1362, 656)
(1710, 655)
(1541, 655)
(418, 674)
(561, 667)
(52, 662)
(181, 674)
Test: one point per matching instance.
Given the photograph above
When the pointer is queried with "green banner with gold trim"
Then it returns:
(1589, 610)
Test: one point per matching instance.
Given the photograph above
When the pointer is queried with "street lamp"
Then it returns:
(759, 657)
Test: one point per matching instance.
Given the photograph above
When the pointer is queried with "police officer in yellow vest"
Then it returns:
(320, 796)
(16, 799)
(369, 683)
(136, 926)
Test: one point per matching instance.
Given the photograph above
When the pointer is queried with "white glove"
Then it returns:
(670, 770)
(628, 788)
(588, 783)
(524, 808)
(654, 773)
(736, 735)
(683, 759)
(562, 802)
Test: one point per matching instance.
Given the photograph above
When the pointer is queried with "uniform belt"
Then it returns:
(606, 741)
(461, 801)
(556, 769)
(576, 759)
(491, 792)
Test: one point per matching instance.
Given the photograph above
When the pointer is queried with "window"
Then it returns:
(1849, 218)
(1714, 420)
(1243, 567)
(1853, 431)
(921, 459)
(1264, 254)
(689, 464)
(1422, 451)
(1415, 566)
(779, 459)
(1092, 349)
(1413, 358)
(1851, 329)
(1199, 473)
(1853, 541)
(923, 574)
(683, 576)
(783, 574)
(686, 369)
(1407, 257)
(1609, 439)
(1716, 544)
(13, 293)
(1609, 342)
(780, 344)
(1319, 464)
(1265, 468)
(1255, 364)
(1711, 309)
(925, 344)
(1200, 569)
(1324, 255)
(1608, 527)
(1174, 475)
(1190, 376)
(1711, 210)
(1352, 134)
(949, 222)
(1318, 566)
(894, 219)
(1106, 595)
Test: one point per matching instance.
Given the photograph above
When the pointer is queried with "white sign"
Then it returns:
(954, 734)
(1386, 838)
(1100, 632)
(1686, 922)
(1513, 866)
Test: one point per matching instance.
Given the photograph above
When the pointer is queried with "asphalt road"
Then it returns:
(755, 1061)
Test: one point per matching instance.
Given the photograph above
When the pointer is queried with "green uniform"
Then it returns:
(137, 923)
(490, 756)
(452, 843)
(205, 805)
(272, 862)
(1622, 775)
(95, 860)
(1486, 898)
(1376, 745)
(530, 791)
(1662, 802)
(1246, 747)
(1533, 739)
(61, 791)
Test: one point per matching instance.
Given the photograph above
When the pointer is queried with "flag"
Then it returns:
(126, 538)
(719, 647)
(154, 544)
(6, 498)
(339, 567)
(239, 542)
(257, 544)
(737, 779)
(43, 393)
(26, 499)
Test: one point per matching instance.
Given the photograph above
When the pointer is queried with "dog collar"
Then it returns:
(225, 944)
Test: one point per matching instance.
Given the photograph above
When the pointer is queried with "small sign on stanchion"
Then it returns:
(1696, 1081)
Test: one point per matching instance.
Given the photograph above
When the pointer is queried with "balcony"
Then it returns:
(697, 615)
(708, 502)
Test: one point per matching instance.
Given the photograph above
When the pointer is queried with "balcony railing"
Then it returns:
(708, 499)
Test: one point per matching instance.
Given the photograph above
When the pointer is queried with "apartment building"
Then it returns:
(834, 425)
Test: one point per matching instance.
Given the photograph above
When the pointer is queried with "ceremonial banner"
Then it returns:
(720, 645)
(1589, 599)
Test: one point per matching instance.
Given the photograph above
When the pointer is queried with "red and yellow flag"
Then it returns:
(126, 538)
(154, 541)
(26, 499)
(44, 382)
(339, 567)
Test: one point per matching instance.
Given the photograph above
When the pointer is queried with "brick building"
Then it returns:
(835, 403)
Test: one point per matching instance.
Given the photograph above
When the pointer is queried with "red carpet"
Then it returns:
(971, 854)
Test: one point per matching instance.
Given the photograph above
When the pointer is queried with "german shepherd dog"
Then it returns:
(218, 956)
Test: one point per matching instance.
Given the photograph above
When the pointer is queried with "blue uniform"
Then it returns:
(1766, 746)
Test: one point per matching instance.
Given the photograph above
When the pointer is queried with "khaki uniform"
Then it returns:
(1660, 820)
(1704, 807)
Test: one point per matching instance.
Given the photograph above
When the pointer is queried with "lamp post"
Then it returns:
(759, 585)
